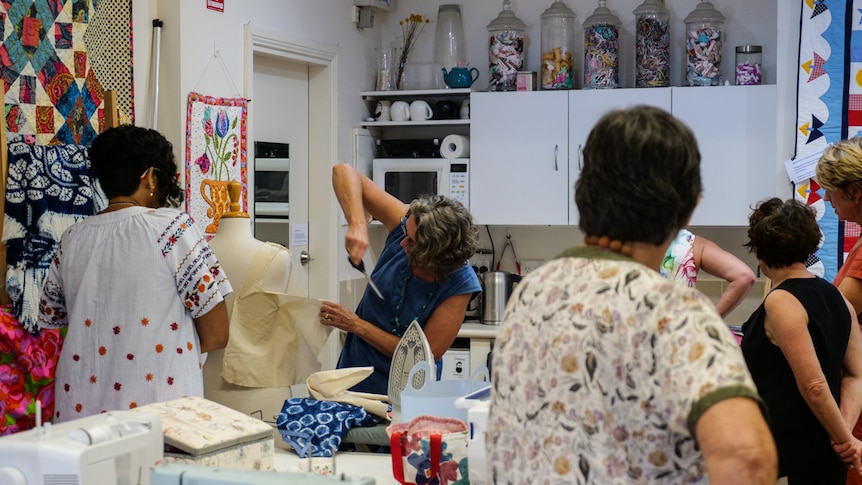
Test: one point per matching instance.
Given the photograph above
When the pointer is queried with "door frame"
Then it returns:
(322, 64)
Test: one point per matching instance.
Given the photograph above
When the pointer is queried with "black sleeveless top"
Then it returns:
(803, 444)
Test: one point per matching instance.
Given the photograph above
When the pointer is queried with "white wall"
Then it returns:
(192, 33)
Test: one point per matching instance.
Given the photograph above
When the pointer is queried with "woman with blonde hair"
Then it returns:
(839, 172)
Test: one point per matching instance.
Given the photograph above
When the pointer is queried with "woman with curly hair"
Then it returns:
(803, 348)
(422, 273)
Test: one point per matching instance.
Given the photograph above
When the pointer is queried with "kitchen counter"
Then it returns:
(481, 340)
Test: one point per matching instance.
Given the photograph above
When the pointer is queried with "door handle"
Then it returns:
(305, 257)
(556, 151)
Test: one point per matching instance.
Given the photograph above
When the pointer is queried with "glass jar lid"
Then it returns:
(602, 15)
(558, 9)
(705, 12)
(507, 20)
(749, 49)
(651, 7)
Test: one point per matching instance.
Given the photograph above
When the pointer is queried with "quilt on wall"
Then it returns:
(829, 106)
(57, 58)
(216, 137)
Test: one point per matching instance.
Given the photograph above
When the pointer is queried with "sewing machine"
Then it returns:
(112, 448)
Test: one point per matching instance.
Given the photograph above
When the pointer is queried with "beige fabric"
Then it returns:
(333, 385)
(274, 337)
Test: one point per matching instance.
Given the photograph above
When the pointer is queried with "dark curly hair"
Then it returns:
(120, 155)
(781, 233)
(641, 179)
(446, 236)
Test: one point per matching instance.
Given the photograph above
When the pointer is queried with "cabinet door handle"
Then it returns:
(556, 150)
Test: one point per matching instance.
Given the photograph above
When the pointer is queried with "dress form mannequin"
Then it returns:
(235, 247)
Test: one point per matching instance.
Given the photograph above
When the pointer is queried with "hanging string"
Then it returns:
(217, 57)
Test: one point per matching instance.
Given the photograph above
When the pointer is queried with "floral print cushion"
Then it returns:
(27, 366)
(199, 426)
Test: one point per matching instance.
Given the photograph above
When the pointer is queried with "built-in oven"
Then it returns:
(271, 179)
(271, 195)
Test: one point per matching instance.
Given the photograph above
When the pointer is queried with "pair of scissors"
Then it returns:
(361, 268)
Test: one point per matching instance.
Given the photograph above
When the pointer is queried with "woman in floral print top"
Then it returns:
(606, 373)
(137, 286)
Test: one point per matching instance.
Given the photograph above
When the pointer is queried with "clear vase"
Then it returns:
(449, 48)
(387, 62)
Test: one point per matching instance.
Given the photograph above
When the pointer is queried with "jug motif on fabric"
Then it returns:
(218, 200)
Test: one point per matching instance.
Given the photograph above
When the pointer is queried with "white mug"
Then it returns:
(399, 111)
(420, 111)
(465, 110)
(381, 113)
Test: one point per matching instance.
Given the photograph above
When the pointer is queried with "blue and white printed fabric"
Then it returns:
(316, 428)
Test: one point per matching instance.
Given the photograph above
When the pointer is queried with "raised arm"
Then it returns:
(360, 197)
(713, 260)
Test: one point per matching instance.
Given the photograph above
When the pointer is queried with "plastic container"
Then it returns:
(558, 47)
(506, 49)
(749, 59)
(437, 398)
(601, 49)
(652, 45)
(703, 43)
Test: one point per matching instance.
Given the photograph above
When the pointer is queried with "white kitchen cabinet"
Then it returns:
(519, 170)
(586, 107)
(735, 129)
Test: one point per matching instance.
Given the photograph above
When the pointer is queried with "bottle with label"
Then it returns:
(558, 47)
(601, 49)
(652, 45)
(703, 43)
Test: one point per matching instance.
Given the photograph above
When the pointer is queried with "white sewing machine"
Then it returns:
(112, 448)
(182, 474)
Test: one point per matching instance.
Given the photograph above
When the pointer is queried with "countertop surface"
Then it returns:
(352, 464)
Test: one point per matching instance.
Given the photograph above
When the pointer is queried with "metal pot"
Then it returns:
(497, 287)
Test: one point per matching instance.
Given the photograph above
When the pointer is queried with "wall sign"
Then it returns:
(217, 5)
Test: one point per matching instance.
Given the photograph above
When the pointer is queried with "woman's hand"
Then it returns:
(850, 453)
(335, 315)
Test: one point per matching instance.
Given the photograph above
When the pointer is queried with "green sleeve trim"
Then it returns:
(718, 395)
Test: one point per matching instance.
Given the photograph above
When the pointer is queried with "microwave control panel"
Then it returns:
(459, 183)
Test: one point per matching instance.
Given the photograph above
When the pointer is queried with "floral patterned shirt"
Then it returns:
(128, 285)
(678, 263)
(601, 370)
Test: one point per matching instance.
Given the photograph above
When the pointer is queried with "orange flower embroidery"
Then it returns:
(103, 350)
(207, 278)
(189, 345)
(159, 348)
(93, 379)
(133, 405)
(79, 407)
(149, 377)
(88, 322)
(145, 321)
(202, 288)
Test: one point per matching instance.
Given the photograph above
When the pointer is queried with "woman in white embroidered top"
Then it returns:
(137, 286)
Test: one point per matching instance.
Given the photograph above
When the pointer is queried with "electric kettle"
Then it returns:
(497, 287)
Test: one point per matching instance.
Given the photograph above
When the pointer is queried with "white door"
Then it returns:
(279, 112)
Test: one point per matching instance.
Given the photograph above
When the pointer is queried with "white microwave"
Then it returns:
(408, 178)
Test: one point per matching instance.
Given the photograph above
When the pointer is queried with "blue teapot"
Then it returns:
(460, 77)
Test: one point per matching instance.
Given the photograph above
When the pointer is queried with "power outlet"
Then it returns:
(481, 263)
(530, 265)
